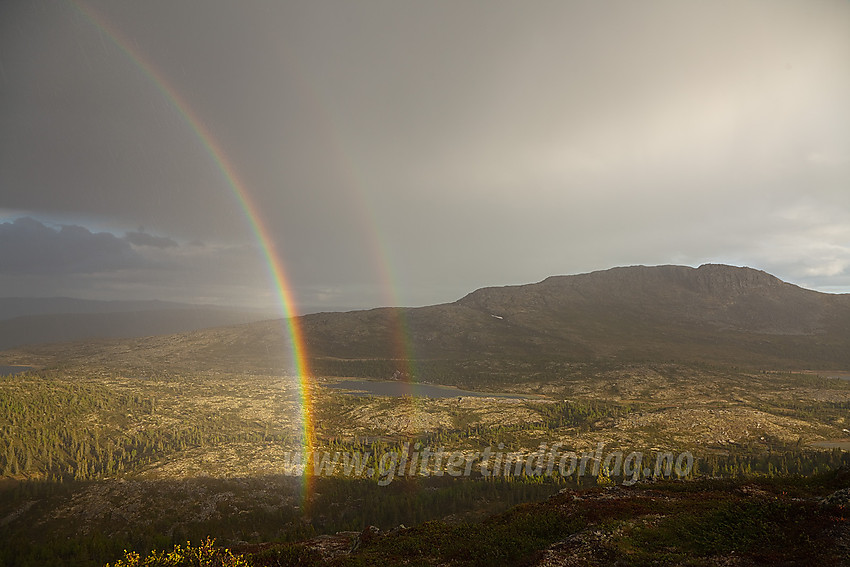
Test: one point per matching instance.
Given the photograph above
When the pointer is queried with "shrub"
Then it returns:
(204, 555)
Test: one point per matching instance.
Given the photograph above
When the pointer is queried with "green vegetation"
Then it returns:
(146, 444)
(491, 374)
(204, 555)
(549, 418)
(509, 538)
(748, 521)
(806, 409)
(697, 517)
(741, 463)
(244, 510)
(763, 521)
(69, 429)
(94, 461)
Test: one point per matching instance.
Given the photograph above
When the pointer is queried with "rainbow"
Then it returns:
(402, 346)
(283, 288)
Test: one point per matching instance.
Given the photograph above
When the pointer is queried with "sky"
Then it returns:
(407, 153)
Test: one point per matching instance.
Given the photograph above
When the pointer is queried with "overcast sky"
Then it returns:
(410, 152)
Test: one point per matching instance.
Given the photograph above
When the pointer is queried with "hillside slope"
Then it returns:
(714, 313)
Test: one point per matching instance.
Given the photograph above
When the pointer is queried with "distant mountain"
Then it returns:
(712, 296)
(713, 314)
(11, 307)
(28, 321)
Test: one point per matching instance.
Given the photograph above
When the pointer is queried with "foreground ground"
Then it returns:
(707, 522)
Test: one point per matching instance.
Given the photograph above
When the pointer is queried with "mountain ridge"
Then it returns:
(658, 312)
(714, 314)
(732, 297)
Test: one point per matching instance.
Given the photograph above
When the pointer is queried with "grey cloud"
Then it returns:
(29, 247)
(144, 239)
(37, 259)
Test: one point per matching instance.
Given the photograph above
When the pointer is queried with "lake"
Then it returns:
(398, 389)
(9, 370)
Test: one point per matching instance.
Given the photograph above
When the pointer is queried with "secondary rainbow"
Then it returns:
(401, 347)
(271, 254)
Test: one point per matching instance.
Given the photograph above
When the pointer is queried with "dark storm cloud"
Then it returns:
(29, 247)
(37, 259)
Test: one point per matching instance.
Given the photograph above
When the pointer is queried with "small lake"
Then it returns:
(9, 370)
(393, 388)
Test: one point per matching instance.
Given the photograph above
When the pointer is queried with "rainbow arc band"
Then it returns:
(239, 190)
